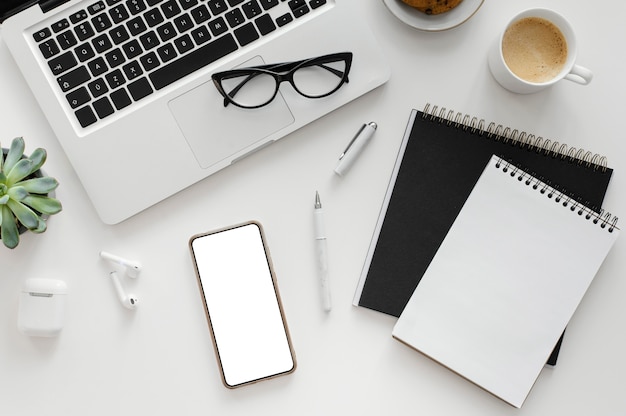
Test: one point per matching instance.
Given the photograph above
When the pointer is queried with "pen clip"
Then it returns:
(358, 133)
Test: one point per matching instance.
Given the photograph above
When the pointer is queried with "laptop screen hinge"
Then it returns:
(47, 5)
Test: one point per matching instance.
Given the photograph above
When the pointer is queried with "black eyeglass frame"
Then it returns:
(282, 72)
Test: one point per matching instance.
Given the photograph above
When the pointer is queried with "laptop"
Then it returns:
(126, 84)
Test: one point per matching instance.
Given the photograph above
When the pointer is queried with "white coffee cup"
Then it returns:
(516, 83)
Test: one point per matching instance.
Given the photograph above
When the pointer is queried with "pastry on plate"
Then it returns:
(433, 6)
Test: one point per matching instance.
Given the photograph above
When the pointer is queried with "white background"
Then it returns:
(159, 359)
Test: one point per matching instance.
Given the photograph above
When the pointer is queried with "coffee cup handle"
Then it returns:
(580, 75)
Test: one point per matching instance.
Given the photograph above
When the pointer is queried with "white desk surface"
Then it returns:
(159, 359)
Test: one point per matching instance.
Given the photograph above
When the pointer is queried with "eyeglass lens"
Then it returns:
(254, 89)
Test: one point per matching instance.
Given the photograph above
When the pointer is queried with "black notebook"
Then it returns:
(441, 157)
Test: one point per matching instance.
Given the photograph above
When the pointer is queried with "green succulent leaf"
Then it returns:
(38, 157)
(24, 214)
(17, 193)
(3, 178)
(43, 204)
(3, 200)
(8, 230)
(16, 151)
(39, 185)
(19, 171)
(41, 227)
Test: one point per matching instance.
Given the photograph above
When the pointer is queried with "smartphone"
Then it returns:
(242, 304)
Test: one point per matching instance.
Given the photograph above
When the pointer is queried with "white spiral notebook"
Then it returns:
(505, 281)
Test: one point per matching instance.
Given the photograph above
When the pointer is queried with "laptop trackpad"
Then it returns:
(215, 132)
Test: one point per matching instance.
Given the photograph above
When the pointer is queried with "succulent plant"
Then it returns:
(24, 193)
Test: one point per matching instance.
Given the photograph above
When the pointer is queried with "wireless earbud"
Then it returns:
(132, 267)
(129, 301)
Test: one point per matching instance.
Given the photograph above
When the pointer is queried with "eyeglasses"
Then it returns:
(257, 86)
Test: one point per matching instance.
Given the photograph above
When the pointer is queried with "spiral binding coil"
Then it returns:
(521, 139)
(605, 219)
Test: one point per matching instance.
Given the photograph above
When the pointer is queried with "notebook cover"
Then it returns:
(437, 166)
(505, 281)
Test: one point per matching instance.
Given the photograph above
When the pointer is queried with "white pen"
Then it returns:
(321, 251)
(355, 147)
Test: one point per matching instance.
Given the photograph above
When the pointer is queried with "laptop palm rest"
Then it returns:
(215, 132)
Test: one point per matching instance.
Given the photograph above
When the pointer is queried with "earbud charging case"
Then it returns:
(42, 307)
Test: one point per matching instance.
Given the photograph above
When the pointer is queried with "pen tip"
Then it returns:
(318, 203)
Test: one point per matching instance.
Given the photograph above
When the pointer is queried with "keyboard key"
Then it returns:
(251, 9)
(132, 70)
(149, 40)
(170, 8)
(268, 4)
(217, 26)
(84, 52)
(201, 35)
(42, 34)
(188, 4)
(73, 78)
(166, 31)
(183, 44)
(119, 13)
(115, 79)
(49, 48)
(79, 16)
(98, 66)
(67, 39)
(132, 49)
(246, 34)
(316, 3)
(153, 17)
(98, 87)
(120, 98)
(234, 17)
(103, 107)
(136, 6)
(102, 43)
(284, 19)
(112, 2)
(217, 6)
(85, 116)
(183, 23)
(101, 22)
(301, 11)
(200, 14)
(265, 24)
(95, 8)
(167, 52)
(119, 35)
(153, 2)
(84, 31)
(149, 61)
(140, 89)
(79, 97)
(115, 57)
(193, 61)
(233, 3)
(60, 25)
(62, 63)
(296, 4)
(136, 26)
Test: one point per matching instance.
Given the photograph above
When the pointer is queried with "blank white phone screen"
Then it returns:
(246, 319)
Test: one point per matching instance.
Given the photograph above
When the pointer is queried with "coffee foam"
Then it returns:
(534, 49)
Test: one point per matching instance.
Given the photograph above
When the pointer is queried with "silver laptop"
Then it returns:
(126, 84)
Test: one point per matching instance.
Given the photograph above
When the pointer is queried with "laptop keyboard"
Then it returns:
(114, 53)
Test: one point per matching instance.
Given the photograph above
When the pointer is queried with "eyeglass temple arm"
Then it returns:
(334, 71)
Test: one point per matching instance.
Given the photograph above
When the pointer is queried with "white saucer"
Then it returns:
(433, 23)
